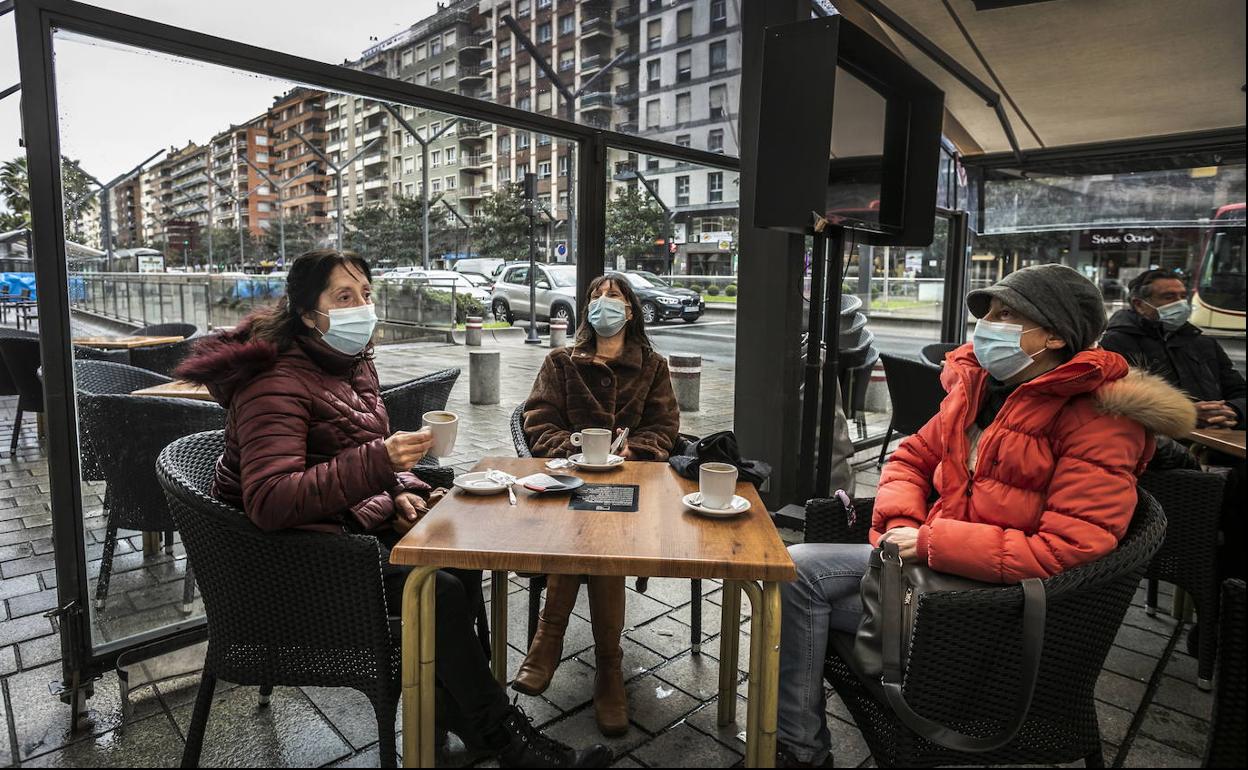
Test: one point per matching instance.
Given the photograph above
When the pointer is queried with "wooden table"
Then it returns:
(176, 389)
(124, 343)
(1230, 442)
(542, 535)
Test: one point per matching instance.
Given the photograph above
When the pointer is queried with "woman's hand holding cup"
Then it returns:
(406, 448)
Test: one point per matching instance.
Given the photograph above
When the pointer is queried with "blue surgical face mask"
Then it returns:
(350, 328)
(1173, 315)
(999, 350)
(608, 316)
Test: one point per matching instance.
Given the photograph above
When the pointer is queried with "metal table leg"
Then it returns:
(729, 649)
(498, 626)
(419, 599)
(763, 698)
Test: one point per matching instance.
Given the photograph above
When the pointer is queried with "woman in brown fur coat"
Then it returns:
(610, 378)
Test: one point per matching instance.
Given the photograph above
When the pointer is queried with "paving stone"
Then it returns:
(637, 659)
(8, 662)
(37, 652)
(27, 566)
(29, 604)
(290, 732)
(665, 636)
(1141, 641)
(1149, 753)
(572, 685)
(153, 742)
(19, 586)
(1184, 697)
(16, 551)
(1161, 623)
(1131, 664)
(6, 745)
(21, 629)
(581, 729)
(654, 704)
(1177, 730)
(1182, 666)
(351, 712)
(683, 746)
(1113, 721)
(1119, 690)
(697, 675)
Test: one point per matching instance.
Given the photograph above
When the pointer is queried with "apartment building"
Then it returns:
(127, 214)
(238, 156)
(296, 116)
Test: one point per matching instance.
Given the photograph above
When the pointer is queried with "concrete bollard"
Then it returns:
(472, 331)
(877, 390)
(483, 373)
(686, 369)
(558, 333)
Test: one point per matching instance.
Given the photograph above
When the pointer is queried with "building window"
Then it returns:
(504, 173)
(450, 155)
(435, 46)
(450, 183)
(654, 33)
(543, 170)
(715, 140)
(448, 39)
(421, 53)
(504, 145)
(541, 4)
(543, 32)
(719, 102)
(654, 80)
(652, 163)
(563, 165)
(448, 69)
(407, 58)
(504, 80)
(567, 24)
(409, 190)
(435, 158)
(684, 107)
(421, 78)
(682, 191)
(434, 128)
(436, 185)
(543, 101)
(719, 14)
(435, 74)
(682, 140)
(715, 187)
(522, 140)
(262, 140)
(567, 60)
(409, 165)
(543, 140)
(719, 56)
(684, 24)
(522, 75)
(684, 66)
(655, 5)
(652, 113)
(504, 51)
(525, 103)
(522, 8)
(563, 201)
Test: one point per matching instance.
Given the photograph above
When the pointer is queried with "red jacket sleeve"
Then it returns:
(280, 490)
(906, 483)
(1090, 501)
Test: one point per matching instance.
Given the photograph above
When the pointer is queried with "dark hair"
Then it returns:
(308, 277)
(634, 330)
(1141, 286)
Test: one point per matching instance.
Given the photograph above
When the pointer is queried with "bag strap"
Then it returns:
(892, 608)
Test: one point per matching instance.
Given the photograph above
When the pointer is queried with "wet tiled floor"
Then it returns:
(1151, 712)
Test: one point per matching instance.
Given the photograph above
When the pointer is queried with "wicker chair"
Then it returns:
(406, 404)
(86, 353)
(290, 608)
(162, 359)
(100, 377)
(127, 434)
(21, 358)
(915, 392)
(537, 583)
(935, 353)
(168, 330)
(965, 656)
(1230, 695)
(1188, 558)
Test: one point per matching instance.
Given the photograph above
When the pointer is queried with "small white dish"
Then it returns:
(479, 483)
(738, 506)
(613, 462)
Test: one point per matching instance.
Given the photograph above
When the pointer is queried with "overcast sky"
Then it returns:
(118, 106)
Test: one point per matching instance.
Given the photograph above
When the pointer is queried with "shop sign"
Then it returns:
(716, 236)
(1092, 240)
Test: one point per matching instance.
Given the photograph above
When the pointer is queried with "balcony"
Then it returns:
(373, 133)
(599, 100)
(629, 55)
(593, 62)
(626, 94)
(372, 159)
(487, 66)
(627, 15)
(627, 127)
(471, 193)
(596, 26)
(476, 163)
(470, 130)
(376, 183)
(475, 42)
(470, 73)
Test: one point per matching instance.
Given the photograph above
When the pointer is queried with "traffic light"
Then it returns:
(530, 186)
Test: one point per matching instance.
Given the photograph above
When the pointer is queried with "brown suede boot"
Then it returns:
(547, 649)
(606, 607)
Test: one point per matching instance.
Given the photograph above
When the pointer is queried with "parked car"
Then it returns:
(445, 279)
(487, 267)
(556, 293)
(660, 301)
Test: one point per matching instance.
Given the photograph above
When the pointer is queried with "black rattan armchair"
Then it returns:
(127, 433)
(21, 358)
(1188, 558)
(86, 353)
(168, 330)
(100, 377)
(965, 656)
(289, 608)
(915, 392)
(406, 404)
(537, 583)
(935, 353)
(1230, 692)
(162, 359)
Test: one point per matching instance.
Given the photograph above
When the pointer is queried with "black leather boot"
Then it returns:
(520, 744)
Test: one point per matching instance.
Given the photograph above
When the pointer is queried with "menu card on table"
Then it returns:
(617, 498)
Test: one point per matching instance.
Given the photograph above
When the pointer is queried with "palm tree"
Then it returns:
(15, 189)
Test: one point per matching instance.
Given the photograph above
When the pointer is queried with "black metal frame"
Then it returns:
(35, 22)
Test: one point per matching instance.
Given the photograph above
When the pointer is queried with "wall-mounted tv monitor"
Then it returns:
(847, 131)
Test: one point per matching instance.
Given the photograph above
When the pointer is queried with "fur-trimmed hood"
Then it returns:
(1150, 401)
(226, 361)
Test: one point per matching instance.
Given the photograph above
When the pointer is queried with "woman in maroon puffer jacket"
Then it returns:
(308, 446)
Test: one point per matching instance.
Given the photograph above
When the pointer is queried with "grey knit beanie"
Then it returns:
(1055, 296)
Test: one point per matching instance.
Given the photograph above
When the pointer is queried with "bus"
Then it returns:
(1218, 299)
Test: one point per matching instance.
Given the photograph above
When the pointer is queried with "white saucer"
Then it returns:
(478, 484)
(613, 462)
(738, 506)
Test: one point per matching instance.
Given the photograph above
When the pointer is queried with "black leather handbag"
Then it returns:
(890, 599)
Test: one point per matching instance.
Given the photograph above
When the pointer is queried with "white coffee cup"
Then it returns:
(445, 427)
(595, 444)
(717, 482)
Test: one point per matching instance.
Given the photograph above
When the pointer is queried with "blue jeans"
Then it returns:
(824, 597)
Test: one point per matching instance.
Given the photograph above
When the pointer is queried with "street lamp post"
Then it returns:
(634, 173)
(530, 209)
(467, 226)
(424, 169)
(280, 188)
(337, 174)
(570, 98)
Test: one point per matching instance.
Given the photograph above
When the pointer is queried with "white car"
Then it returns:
(445, 279)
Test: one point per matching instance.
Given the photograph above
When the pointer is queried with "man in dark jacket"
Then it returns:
(1154, 334)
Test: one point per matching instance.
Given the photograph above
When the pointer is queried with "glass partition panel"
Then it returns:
(672, 232)
(256, 172)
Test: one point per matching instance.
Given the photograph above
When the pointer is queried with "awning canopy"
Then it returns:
(1075, 72)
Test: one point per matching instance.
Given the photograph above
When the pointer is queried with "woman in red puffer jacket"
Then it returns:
(308, 446)
(1028, 469)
